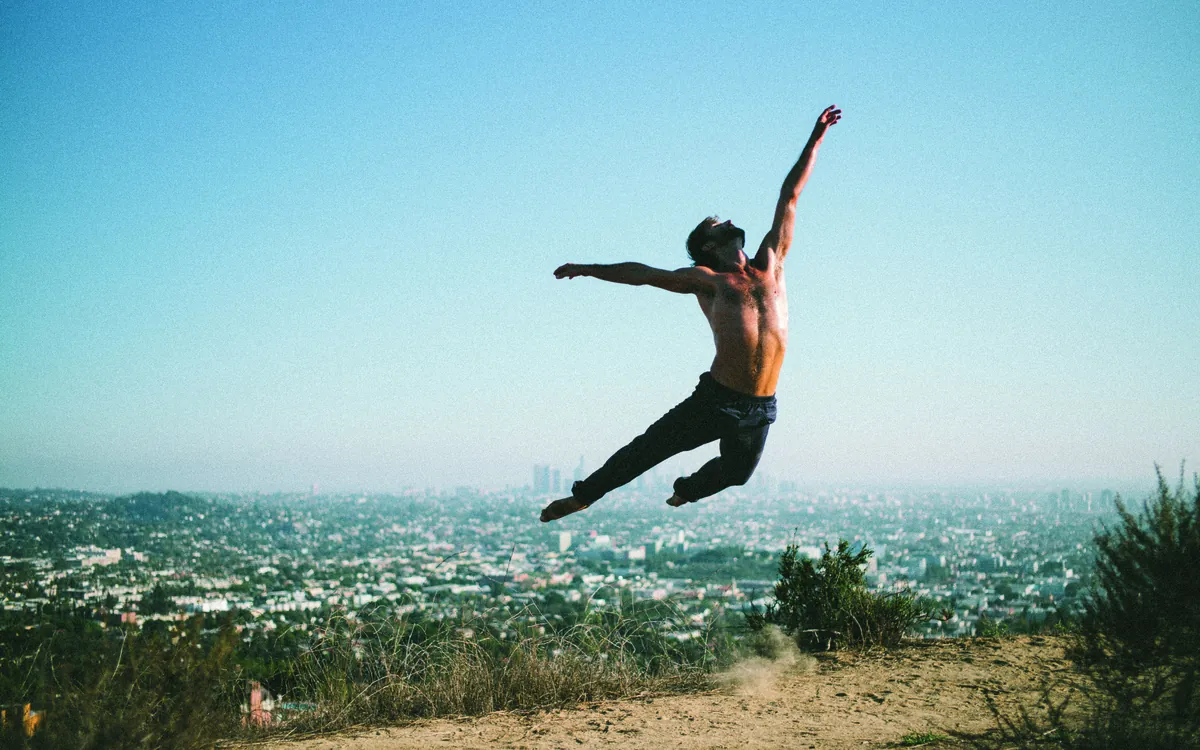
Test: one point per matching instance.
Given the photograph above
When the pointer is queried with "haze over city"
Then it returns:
(263, 249)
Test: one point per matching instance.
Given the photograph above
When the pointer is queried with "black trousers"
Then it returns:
(712, 412)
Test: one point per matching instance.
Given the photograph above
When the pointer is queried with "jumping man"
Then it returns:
(745, 301)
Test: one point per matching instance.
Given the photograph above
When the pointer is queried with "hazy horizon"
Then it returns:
(256, 249)
(1129, 488)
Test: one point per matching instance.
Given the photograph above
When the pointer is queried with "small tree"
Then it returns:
(826, 605)
(1140, 636)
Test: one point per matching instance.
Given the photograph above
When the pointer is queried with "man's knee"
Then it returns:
(739, 475)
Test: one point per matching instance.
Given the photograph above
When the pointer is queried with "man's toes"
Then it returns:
(560, 508)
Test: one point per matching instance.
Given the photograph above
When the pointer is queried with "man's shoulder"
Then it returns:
(767, 259)
(699, 271)
(704, 279)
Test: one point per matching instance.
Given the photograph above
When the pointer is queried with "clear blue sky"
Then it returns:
(253, 248)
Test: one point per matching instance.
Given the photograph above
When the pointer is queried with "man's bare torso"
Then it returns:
(748, 316)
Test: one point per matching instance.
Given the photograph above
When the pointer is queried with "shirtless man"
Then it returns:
(745, 302)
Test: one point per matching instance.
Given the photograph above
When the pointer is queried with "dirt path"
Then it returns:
(847, 701)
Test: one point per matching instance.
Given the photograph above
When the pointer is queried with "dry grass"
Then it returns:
(371, 675)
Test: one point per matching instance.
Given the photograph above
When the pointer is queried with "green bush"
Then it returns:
(1136, 645)
(826, 605)
(989, 628)
(1140, 635)
(155, 688)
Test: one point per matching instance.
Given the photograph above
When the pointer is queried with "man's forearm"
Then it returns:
(620, 273)
(794, 182)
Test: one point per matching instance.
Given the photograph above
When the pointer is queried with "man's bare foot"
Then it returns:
(675, 501)
(564, 507)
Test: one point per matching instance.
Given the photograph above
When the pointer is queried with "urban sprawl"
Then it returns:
(291, 560)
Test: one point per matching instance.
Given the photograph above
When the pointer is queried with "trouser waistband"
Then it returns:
(710, 384)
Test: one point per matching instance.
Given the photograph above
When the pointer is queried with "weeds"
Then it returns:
(184, 688)
(152, 689)
(389, 672)
(989, 628)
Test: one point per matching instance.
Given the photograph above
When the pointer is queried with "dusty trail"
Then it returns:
(844, 701)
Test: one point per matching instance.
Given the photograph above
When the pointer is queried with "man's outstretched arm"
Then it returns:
(683, 281)
(779, 240)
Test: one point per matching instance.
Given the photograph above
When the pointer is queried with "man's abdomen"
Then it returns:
(751, 371)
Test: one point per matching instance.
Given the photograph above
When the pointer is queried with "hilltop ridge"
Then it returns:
(843, 700)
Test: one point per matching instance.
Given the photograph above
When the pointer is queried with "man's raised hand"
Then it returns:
(569, 271)
(828, 117)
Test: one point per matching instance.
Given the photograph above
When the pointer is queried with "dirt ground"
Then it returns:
(842, 701)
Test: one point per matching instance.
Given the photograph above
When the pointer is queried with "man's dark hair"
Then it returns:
(702, 235)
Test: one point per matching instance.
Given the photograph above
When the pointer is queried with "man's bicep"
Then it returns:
(779, 240)
(684, 280)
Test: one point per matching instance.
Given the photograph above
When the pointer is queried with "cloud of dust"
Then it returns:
(774, 654)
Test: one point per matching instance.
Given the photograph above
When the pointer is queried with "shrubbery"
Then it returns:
(384, 672)
(826, 605)
(156, 687)
(1140, 637)
(184, 687)
(1137, 646)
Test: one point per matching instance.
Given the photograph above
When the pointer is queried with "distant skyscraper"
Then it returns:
(541, 478)
(556, 481)
(564, 541)
(579, 470)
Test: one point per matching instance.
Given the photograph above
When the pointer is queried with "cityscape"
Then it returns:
(274, 562)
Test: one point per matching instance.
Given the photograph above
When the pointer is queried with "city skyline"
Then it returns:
(282, 562)
(540, 486)
(253, 251)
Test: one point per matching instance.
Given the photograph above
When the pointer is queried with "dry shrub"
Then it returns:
(358, 674)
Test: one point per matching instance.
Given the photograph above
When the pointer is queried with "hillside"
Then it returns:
(836, 701)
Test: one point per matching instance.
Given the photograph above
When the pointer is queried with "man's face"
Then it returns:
(728, 242)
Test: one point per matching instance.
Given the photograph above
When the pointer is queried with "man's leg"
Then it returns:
(687, 426)
(740, 453)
